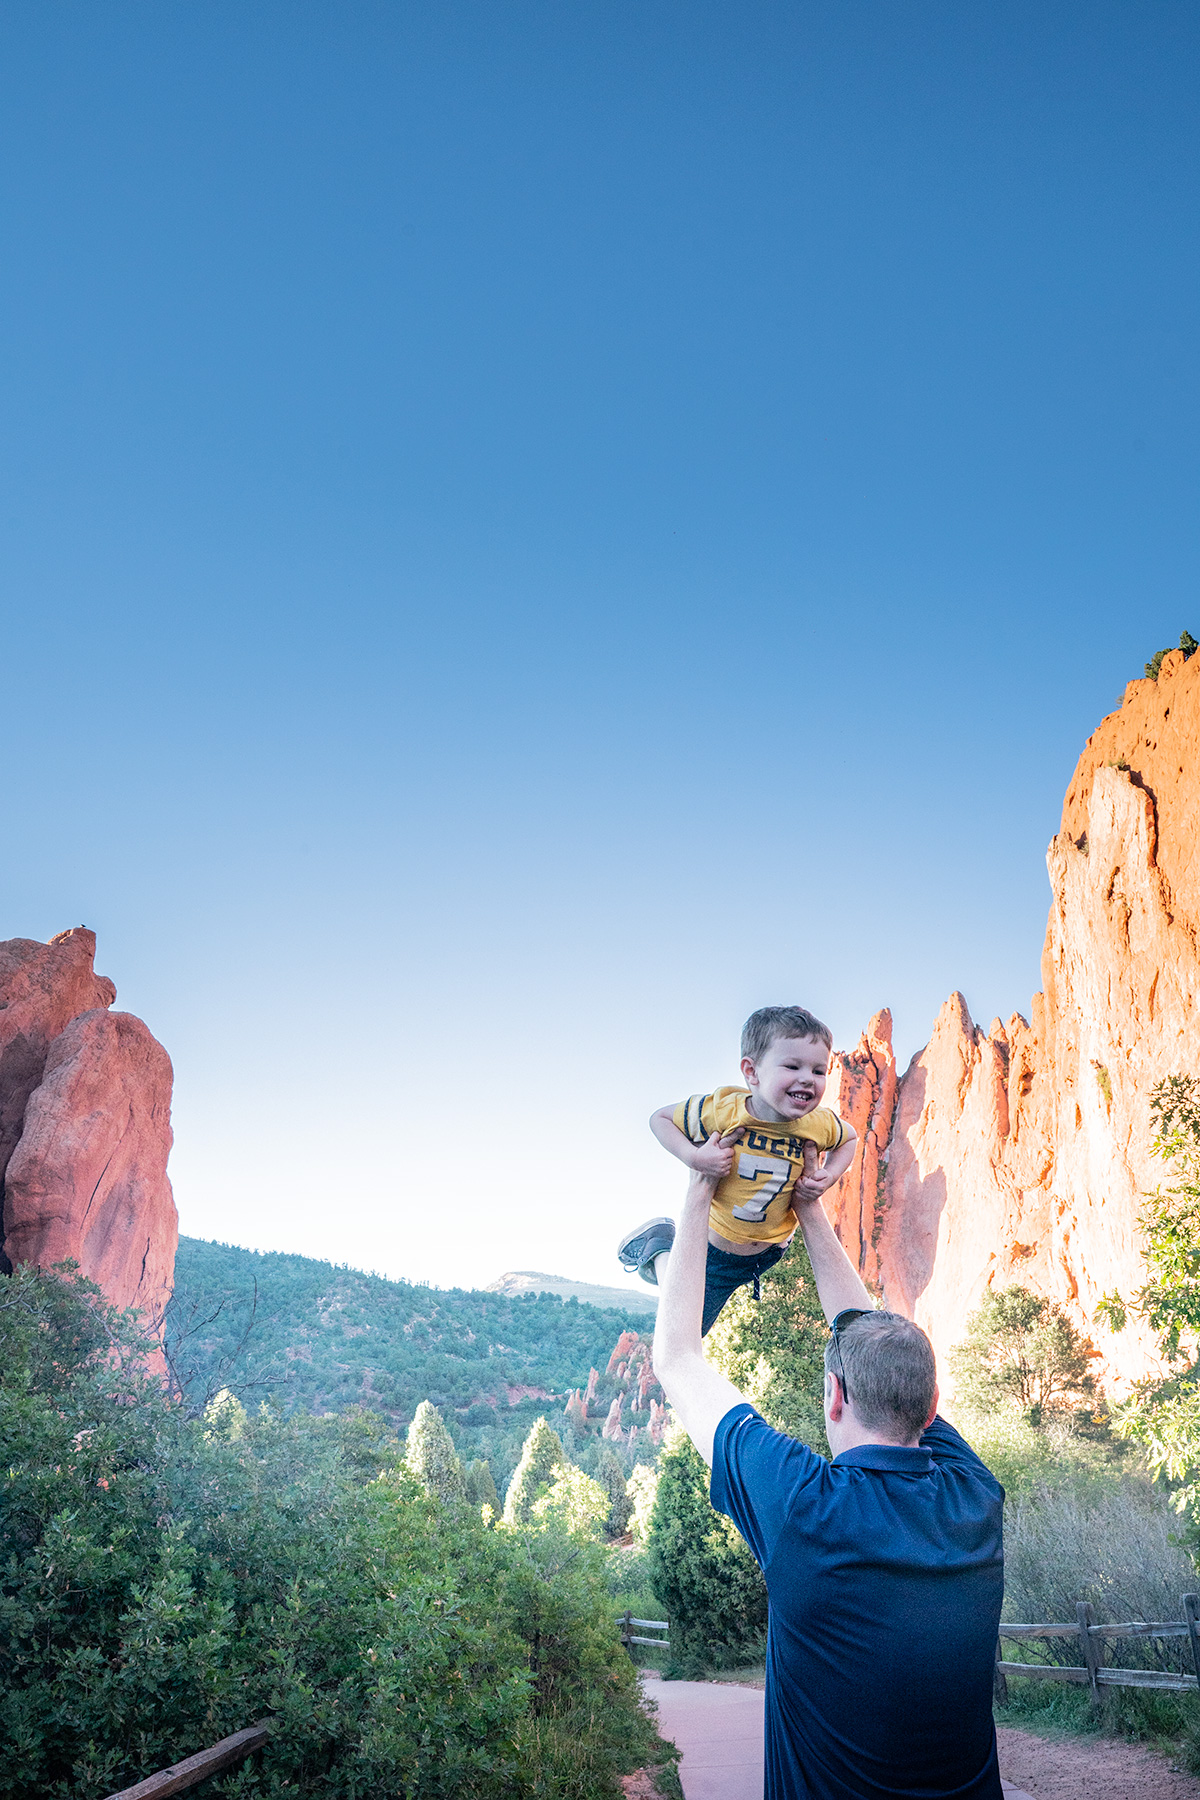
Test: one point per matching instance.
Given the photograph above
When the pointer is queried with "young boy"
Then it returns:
(763, 1141)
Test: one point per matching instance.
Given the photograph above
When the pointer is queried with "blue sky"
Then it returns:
(528, 531)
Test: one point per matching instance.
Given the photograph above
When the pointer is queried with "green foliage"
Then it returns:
(642, 1488)
(481, 1487)
(574, 1502)
(1187, 643)
(1163, 1416)
(1021, 1348)
(166, 1579)
(315, 1338)
(541, 1459)
(773, 1349)
(611, 1477)
(702, 1570)
(432, 1457)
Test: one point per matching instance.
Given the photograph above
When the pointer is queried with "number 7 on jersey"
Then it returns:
(754, 1210)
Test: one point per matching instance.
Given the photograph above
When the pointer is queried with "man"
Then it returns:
(884, 1568)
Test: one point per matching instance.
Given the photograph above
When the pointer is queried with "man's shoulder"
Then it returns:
(950, 1450)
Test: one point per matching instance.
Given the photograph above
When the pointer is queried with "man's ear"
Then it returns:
(749, 1072)
(835, 1403)
(932, 1411)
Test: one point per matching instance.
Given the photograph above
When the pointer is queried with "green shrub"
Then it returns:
(166, 1581)
(541, 1459)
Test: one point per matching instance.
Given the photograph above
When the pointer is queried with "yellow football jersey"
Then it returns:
(754, 1202)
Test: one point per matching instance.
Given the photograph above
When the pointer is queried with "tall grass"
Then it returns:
(1085, 1521)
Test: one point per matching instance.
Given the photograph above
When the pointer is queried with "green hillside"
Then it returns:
(321, 1338)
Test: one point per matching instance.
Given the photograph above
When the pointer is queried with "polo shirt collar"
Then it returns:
(896, 1459)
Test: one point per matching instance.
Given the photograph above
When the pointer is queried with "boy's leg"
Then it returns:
(725, 1273)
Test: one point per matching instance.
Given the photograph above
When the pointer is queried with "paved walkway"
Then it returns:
(719, 1729)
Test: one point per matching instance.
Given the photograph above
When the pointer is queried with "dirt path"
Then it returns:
(719, 1728)
(1089, 1769)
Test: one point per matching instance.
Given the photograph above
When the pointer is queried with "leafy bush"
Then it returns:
(166, 1580)
(541, 1459)
(575, 1502)
(773, 1349)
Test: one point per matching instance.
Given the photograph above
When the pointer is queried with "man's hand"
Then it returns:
(818, 1178)
(714, 1159)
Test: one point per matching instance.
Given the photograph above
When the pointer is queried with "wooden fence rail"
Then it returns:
(627, 1621)
(1093, 1672)
(194, 1769)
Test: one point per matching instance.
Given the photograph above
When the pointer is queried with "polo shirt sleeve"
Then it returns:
(949, 1447)
(758, 1477)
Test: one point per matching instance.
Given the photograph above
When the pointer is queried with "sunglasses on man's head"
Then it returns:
(842, 1319)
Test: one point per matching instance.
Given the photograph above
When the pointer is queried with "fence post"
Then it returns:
(1091, 1650)
(999, 1681)
(626, 1628)
(1191, 1608)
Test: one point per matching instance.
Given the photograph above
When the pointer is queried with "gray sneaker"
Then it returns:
(639, 1249)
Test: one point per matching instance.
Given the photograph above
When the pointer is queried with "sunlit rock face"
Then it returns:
(85, 1125)
(1021, 1153)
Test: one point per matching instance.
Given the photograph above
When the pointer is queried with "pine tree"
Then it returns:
(611, 1477)
(541, 1458)
(432, 1457)
(481, 1486)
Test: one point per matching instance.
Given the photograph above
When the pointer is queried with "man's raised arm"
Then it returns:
(698, 1392)
(838, 1283)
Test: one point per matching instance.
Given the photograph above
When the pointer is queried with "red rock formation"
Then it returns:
(85, 1131)
(1021, 1154)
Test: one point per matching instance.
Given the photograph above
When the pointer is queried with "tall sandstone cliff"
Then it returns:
(1020, 1153)
(85, 1125)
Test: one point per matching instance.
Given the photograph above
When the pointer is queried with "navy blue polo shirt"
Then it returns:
(885, 1574)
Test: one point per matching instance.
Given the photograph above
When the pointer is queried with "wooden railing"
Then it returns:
(1093, 1672)
(194, 1769)
(627, 1622)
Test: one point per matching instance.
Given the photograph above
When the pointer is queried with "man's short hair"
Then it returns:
(771, 1022)
(890, 1372)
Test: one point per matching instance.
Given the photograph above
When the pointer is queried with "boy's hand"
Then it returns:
(714, 1159)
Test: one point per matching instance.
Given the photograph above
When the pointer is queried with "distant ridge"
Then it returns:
(529, 1281)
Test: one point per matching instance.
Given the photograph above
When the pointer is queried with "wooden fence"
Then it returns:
(1093, 1672)
(627, 1622)
(194, 1769)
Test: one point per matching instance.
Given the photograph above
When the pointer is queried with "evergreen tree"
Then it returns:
(702, 1570)
(611, 1477)
(541, 1459)
(481, 1488)
(1022, 1348)
(432, 1457)
(1187, 643)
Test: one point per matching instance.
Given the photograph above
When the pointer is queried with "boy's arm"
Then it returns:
(713, 1158)
(700, 1394)
(815, 1182)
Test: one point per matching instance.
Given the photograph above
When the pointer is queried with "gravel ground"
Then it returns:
(1089, 1768)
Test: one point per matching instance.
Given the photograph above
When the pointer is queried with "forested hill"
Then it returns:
(322, 1338)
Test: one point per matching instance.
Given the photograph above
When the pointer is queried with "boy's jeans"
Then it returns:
(725, 1273)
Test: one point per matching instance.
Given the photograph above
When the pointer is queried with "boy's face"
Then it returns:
(790, 1076)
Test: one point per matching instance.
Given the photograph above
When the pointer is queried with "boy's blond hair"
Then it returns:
(770, 1022)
